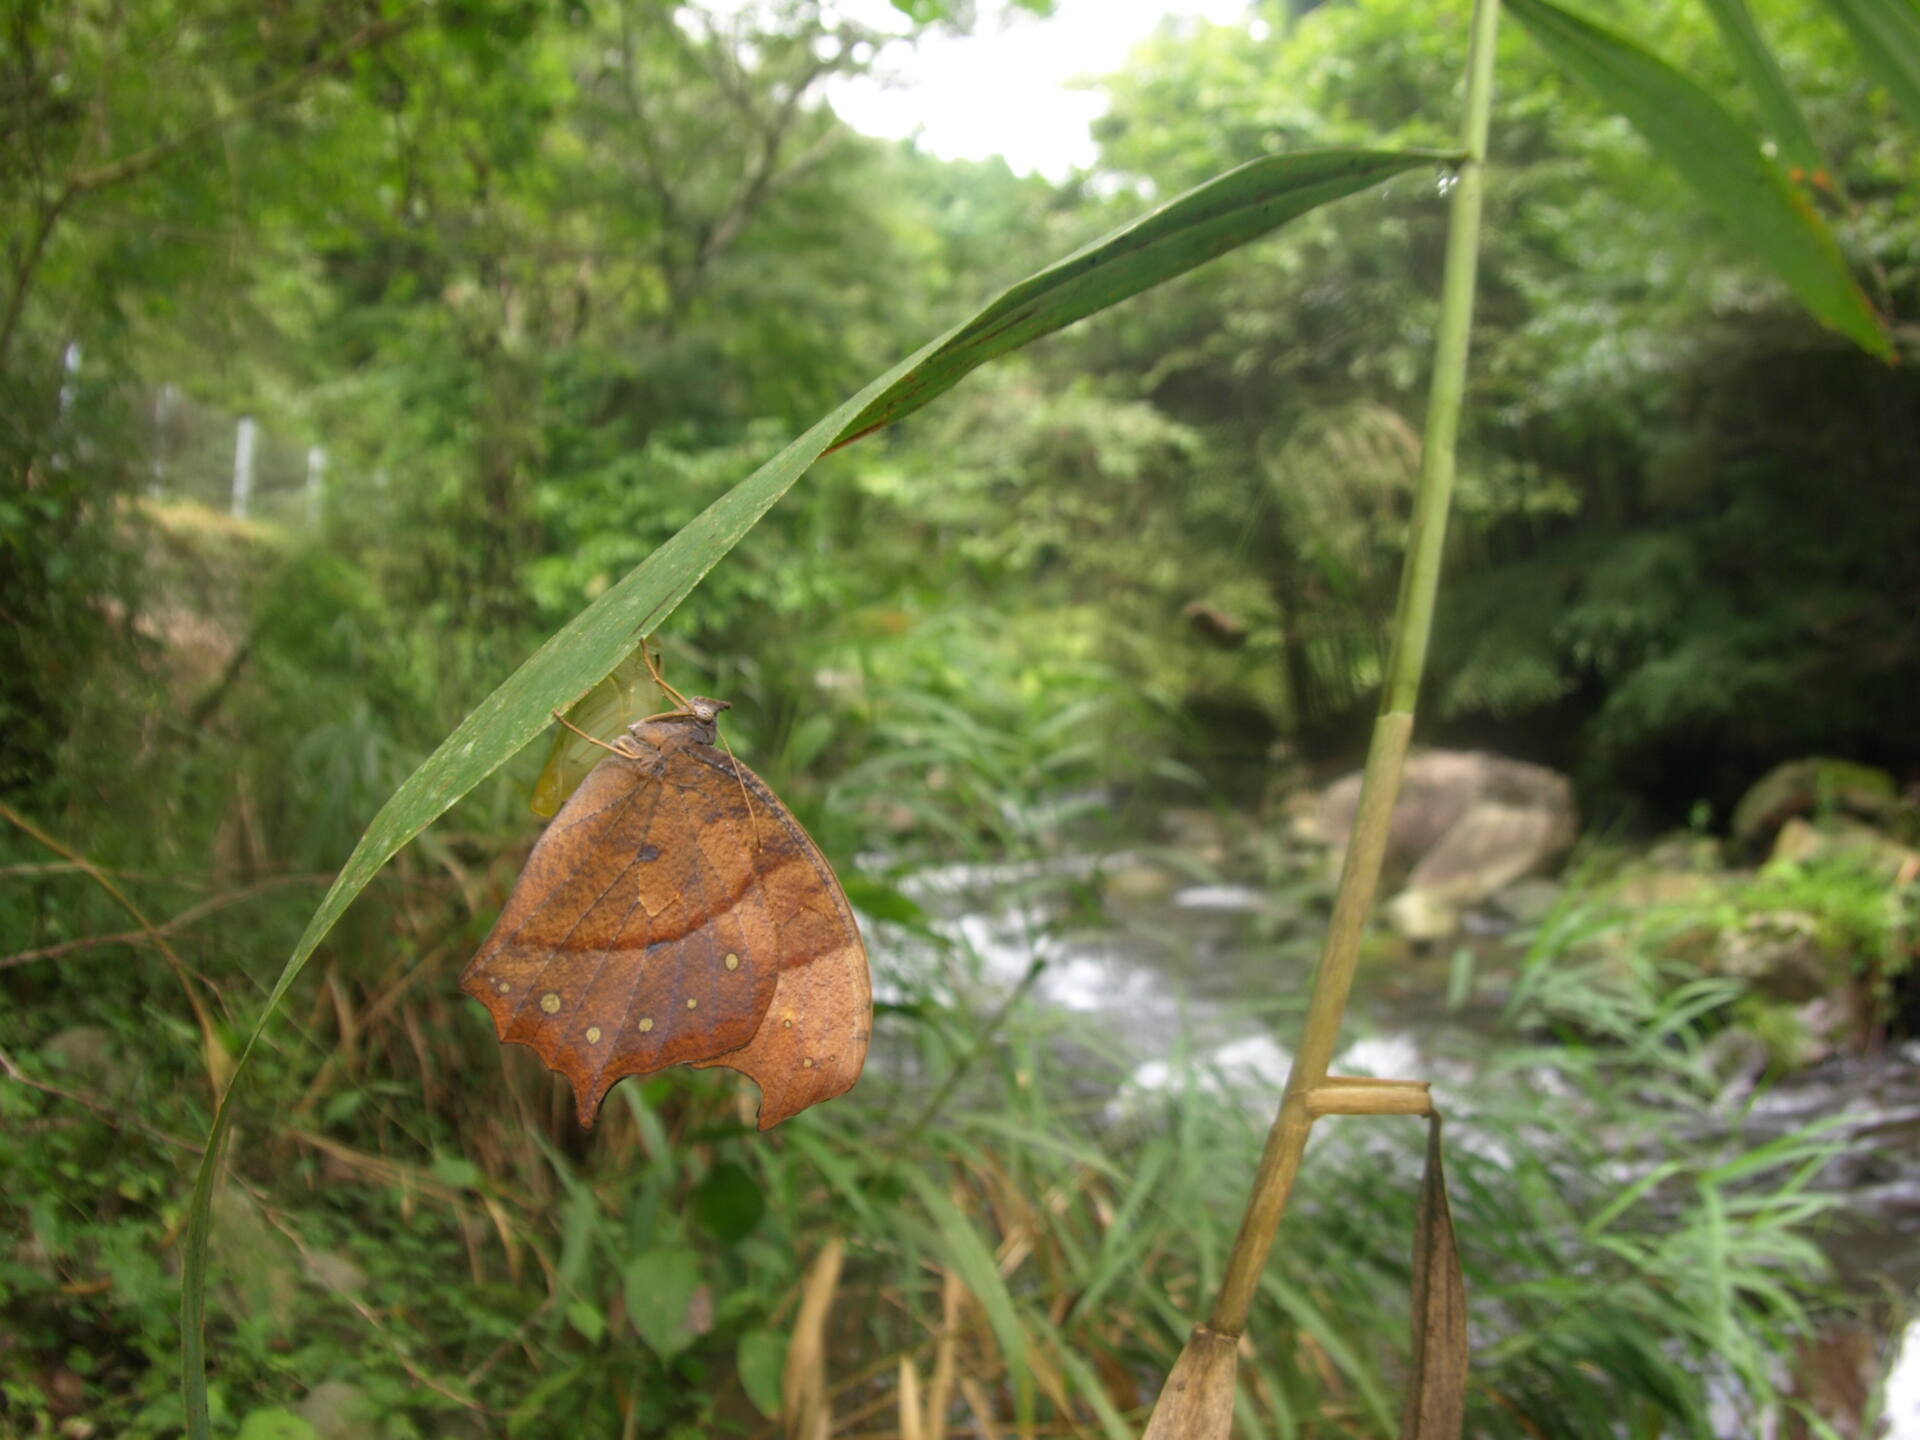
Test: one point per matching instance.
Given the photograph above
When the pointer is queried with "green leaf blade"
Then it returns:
(1761, 71)
(659, 1286)
(728, 1203)
(761, 1358)
(1887, 35)
(1201, 225)
(1719, 159)
(970, 1257)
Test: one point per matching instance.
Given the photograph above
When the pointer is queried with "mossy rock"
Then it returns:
(1782, 955)
(1818, 785)
(1785, 1033)
(1843, 841)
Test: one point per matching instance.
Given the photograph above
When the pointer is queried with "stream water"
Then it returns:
(1164, 943)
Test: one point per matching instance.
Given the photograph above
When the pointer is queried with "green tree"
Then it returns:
(1631, 569)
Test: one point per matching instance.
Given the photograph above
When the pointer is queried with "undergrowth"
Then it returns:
(416, 1235)
(1004, 1225)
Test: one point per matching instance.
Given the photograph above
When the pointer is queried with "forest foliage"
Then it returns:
(541, 282)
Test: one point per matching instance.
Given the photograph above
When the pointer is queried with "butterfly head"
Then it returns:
(696, 722)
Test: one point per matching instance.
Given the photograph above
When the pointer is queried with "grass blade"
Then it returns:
(1206, 222)
(1761, 71)
(1887, 34)
(1719, 158)
(969, 1256)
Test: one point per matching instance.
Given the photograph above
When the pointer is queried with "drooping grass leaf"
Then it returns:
(1719, 159)
(1087, 1386)
(1436, 1406)
(1887, 34)
(1761, 71)
(972, 1258)
(1206, 222)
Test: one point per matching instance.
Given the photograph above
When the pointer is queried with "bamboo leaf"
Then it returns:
(1206, 222)
(1437, 1388)
(1887, 34)
(1761, 71)
(1719, 159)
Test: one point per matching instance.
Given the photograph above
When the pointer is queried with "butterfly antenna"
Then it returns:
(753, 819)
(646, 654)
(590, 739)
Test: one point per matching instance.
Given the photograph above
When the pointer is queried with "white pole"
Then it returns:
(316, 482)
(71, 364)
(243, 465)
(163, 399)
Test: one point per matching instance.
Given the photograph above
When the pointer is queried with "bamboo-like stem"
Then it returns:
(1332, 980)
(1361, 1096)
(1180, 1412)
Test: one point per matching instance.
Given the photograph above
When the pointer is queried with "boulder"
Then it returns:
(1199, 834)
(1490, 846)
(1802, 842)
(1778, 952)
(1645, 888)
(335, 1272)
(1686, 851)
(1817, 785)
(1415, 915)
(1466, 825)
(1528, 901)
(96, 1058)
(1140, 884)
(1437, 789)
(256, 1266)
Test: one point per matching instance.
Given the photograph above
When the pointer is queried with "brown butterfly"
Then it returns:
(674, 912)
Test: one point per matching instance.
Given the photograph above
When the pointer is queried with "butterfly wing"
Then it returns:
(641, 933)
(812, 1042)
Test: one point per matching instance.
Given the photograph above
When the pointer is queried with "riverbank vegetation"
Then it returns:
(506, 295)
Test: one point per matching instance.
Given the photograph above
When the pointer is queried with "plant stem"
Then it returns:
(1413, 625)
(904, 1145)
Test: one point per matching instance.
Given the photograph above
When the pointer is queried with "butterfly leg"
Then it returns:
(646, 654)
(590, 739)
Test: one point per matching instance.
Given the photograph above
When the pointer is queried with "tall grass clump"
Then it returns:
(419, 1223)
